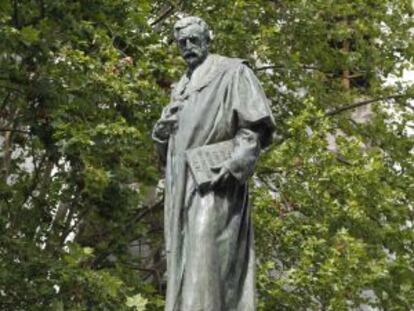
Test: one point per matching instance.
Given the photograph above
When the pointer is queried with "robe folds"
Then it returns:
(209, 237)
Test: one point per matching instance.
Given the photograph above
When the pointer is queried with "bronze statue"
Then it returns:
(218, 103)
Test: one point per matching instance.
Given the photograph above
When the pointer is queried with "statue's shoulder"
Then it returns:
(229, 63)
(213, 67)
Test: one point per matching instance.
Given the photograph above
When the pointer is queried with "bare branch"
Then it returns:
(268, 67)
(167, 13)
(306, 67)
(360, 104)
(16, 22)
(163, 16)
(42, 9)
(68, 225)
(35, 181)
(5, 100)
(14, 130)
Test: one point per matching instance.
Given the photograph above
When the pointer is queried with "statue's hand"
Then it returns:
(165, 127)
(169, 122)
(222, 176)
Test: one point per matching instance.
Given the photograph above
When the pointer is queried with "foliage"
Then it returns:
(82, 82)
(80, 86)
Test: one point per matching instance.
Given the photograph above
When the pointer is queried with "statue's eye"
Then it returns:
(181, 42)
(194, 40)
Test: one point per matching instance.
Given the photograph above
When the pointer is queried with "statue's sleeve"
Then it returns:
(246, 151)
(254, 120)
(251, 106)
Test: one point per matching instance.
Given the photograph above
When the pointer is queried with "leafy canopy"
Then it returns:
(81, 84)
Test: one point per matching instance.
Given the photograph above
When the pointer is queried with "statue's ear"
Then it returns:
(211, 36)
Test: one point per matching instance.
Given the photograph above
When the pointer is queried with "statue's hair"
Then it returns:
(190, 20)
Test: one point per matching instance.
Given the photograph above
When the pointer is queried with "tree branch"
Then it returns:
(360, 104)
(34, 182)
(15, 17)
(42, 9)
(67, 226)
(163, 16)
(283, 67)
(167, 13)
(14, 130)
(5, 100)
(267, 67)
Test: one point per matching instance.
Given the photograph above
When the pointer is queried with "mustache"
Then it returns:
(190, 54)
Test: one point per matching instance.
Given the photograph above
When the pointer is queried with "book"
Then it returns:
(202, 159)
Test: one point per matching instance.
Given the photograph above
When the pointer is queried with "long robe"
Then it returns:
(209, 237)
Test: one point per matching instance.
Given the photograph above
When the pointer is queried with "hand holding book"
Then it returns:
(221, 177)
(207, 164)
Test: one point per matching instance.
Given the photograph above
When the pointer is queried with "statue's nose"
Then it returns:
(188, 43)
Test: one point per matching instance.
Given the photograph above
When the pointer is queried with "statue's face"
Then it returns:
(193, 45)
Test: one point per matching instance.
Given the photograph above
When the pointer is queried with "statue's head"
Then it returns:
(193, 37)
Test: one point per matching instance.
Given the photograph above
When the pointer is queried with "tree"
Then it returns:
(81, 84)
(80, 89)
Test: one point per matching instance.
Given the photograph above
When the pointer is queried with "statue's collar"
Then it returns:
(212, 66)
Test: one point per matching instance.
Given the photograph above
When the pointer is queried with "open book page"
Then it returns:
(201, 159)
